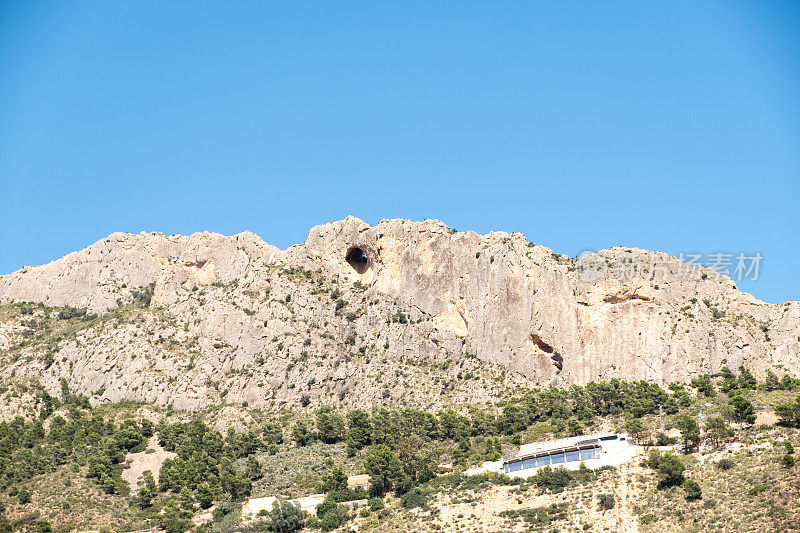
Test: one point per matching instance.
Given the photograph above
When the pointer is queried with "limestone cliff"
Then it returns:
(397, 311)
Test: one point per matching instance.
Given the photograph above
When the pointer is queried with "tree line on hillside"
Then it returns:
(568, 408)
(401, 448)
(83, 438)
(208, 467)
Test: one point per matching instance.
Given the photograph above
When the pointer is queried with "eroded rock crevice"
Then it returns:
(621, 298)
(537, 340)
(558, 361)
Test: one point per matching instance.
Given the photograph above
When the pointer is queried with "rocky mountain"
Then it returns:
(411, 312)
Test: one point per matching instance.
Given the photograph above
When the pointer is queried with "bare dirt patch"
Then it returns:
(150, 459)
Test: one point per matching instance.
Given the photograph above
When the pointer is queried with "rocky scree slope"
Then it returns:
(402, 311)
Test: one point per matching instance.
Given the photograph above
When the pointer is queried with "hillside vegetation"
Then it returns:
(177, 382)
(62, 469)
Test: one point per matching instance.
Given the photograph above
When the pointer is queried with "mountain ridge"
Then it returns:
(402, 293)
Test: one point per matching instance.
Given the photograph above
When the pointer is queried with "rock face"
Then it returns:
(366, 306)
(94, 277)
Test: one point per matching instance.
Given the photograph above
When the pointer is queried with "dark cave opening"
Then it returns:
(358, 259)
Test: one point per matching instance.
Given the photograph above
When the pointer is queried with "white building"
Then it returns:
(308, 504)
(594, 451)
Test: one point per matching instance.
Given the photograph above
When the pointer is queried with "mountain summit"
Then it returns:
(401, 311)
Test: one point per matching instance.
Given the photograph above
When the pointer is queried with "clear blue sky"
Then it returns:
(665, 125)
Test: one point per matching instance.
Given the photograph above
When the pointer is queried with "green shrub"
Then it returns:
(690, 430)
(330, 425)
(636, 430)
(143, 295)
(175, 518)
(359, 430)
(743, 409)
(662, 439)
(574, 427)
(668, 467)
(332, 517)
(725, 464)
(302, 432)
(222, 510)
(552, 479)
(648, 519)
(376, 504)
(400, 317)
(788, 460)
(605, 501)
(416, 497)
(704, 385)
(285, 517)
(71, 312)
(789, 413)
(692, 488)
(462, 482)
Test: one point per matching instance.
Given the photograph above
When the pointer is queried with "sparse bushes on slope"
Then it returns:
(539, 515)
(143, 295)
(403, 446)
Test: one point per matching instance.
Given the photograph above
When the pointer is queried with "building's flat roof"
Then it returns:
(540, 449)
(553, 451)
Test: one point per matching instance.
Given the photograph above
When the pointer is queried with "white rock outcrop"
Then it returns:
(410, 291)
